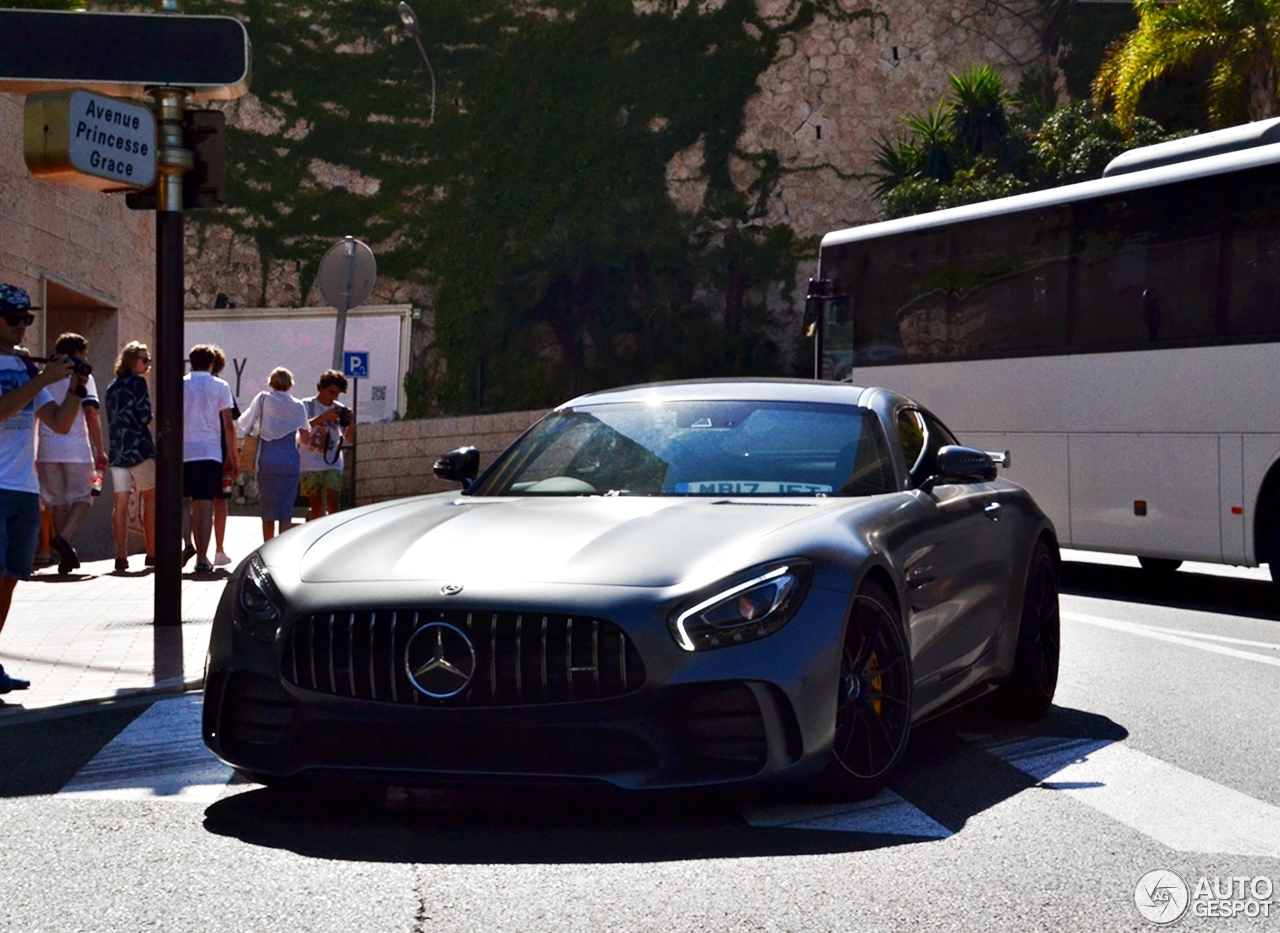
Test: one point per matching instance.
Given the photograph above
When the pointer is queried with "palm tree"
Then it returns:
(1240, 38)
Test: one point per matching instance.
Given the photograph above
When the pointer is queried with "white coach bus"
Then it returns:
(1120, 337)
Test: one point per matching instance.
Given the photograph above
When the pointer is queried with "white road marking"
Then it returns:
(1159, 634)
(1179, 809)
(158, 756)
(885, 814)
(1222, 638)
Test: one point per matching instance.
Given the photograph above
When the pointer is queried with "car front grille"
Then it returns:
(521, 658)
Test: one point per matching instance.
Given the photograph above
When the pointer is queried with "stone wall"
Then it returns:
(86, 258)
(394, 458)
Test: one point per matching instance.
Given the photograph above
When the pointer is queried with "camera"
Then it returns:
(344, 415)
(79, 366)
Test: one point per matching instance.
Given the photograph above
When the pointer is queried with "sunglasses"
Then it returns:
(19, 320)
(145, 359)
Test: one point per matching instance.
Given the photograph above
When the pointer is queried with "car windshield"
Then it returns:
(695, 448)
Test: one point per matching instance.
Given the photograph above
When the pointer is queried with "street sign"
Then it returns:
(85, 139)
(346, 277)
(123, 53)
(355, 365)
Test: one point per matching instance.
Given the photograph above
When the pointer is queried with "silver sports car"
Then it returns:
(675, 585)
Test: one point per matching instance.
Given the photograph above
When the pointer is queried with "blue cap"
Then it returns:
(14, 299)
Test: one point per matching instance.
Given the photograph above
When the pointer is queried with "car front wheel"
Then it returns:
(873, 702)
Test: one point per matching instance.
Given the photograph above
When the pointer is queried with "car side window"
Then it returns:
(911, 435)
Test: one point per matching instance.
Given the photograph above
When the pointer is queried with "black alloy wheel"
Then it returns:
(1028, 691)
(873, 701)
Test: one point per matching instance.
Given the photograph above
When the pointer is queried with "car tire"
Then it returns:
(1160, 567)
(1028, 690)
(873, 699)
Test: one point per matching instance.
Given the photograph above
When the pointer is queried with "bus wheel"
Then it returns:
(1159, 566)
(1028, 691)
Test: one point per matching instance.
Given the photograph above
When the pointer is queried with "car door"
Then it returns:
(954, 559)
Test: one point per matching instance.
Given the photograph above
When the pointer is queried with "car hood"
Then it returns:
(592, 540)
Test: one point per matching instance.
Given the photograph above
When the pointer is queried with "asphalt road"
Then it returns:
(1161, 753)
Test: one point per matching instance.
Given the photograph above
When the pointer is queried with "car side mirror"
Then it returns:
(459, 466)
(962, 465)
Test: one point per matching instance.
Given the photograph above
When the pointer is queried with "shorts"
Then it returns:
(64, 483)
(140, 477)
(318, 482)
(19, 532)
(201, 479)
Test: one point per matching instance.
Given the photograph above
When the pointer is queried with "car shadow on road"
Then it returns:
(946, 775)
(1182, 590)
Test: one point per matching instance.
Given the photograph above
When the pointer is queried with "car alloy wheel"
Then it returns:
(873, 704)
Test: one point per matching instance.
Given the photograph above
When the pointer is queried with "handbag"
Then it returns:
(249, 446)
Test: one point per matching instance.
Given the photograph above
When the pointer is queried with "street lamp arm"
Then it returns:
(431, 71)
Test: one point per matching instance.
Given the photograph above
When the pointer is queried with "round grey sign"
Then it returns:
(347, 274)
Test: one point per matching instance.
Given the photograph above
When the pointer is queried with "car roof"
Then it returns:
(749, 389)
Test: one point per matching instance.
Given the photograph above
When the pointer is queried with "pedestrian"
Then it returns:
(277, 418)
(131, 450)
(24, 397)
(208, 431)
(220, 501)
(68, 465)
(330, 425)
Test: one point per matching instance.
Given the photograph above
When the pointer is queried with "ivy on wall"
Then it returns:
(535, 206)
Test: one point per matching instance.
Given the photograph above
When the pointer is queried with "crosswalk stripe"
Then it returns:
(885, 814)
(1182, 810)
(1146, 631)
(158, 756)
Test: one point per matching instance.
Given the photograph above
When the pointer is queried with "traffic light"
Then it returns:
(204, 132)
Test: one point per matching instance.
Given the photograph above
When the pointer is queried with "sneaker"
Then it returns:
(188, 552)
(221, 559)
(8, 683)
(70, 560)
(203, 567)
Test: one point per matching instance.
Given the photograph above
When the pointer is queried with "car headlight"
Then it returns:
(742, 611)
(258, 603)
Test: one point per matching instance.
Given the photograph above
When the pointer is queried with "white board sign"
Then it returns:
(90, 140)
(257, 340)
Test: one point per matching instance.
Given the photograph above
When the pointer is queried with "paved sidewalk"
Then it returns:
(89, 635)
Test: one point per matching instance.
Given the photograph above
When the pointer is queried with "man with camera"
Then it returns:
(24, 397)
(68, 464)
(332, 424)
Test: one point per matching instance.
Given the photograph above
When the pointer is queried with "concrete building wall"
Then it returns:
(394, 458)
(89, 261)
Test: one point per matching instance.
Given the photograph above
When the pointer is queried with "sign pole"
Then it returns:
(173, 161)
(340, 329)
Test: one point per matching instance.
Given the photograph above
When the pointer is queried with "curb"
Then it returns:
(132, 696)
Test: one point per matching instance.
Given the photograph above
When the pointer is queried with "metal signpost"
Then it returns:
(171, 59)
(346, 277)
(355, 366)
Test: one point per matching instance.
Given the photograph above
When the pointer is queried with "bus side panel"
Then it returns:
(1231, 480)
(1172, 478)
(1039, 466)
(1261, 451)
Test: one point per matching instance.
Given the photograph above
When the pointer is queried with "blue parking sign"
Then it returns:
(355, 365)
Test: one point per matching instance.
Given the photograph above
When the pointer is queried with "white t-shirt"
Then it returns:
(72, 447)
(18, 434)
(204, 397)
(314, 454)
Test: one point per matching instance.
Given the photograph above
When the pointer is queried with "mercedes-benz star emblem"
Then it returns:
(440, 660)
(451, 589)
